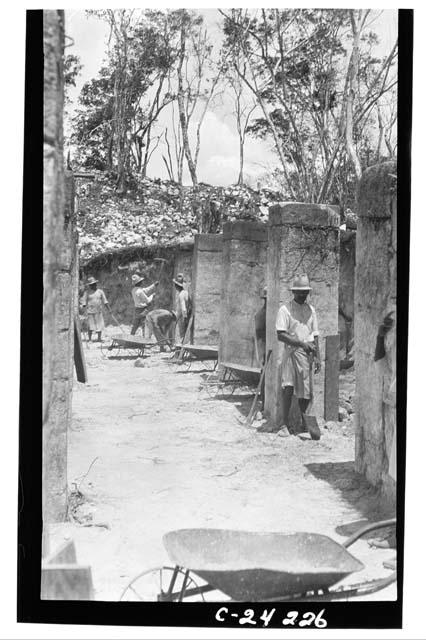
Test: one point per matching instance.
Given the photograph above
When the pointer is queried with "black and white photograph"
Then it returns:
(222, 312)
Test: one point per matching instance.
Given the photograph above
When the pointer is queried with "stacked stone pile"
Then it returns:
(159, 212)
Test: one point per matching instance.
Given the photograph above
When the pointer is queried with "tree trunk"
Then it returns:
(182, 114)
(352, 76)
(241, 173)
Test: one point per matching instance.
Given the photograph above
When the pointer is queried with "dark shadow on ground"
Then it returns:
(355, 490)
(127, 357)
(191, 369)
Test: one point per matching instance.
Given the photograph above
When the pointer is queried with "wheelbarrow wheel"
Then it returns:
(212, 387)
(184, 364)
(108, 350)
(155, 585)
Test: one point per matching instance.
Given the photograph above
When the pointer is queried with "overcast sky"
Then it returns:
(219, 160)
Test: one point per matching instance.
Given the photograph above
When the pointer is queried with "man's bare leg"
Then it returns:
(287, 398)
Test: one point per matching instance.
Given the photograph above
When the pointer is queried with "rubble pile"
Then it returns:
(159, 212)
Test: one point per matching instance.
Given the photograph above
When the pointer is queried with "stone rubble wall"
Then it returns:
(243, 279)
(375, 291)
(159, 211)
(302, 238)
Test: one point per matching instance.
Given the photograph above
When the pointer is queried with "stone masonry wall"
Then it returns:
(207, 287)
(55, 312)
(375, 295)
(114, 271)
(302, 238)
(243, 279)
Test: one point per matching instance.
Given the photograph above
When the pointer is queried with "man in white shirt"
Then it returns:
(297, 329)
(142, 297)
(183, 305)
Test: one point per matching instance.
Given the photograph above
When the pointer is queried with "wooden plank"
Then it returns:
(66, 582)
(79, 360)
(331, 378)
(241, 368)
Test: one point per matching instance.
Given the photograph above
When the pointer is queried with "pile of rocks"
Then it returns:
(159, 212)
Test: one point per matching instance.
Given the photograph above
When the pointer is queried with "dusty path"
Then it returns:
(170, 457)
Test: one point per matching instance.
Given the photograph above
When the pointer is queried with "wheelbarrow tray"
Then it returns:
(132, 342)
(247, 375)
(252, 566)
(202, 352)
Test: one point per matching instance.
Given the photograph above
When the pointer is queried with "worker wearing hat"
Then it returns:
(142, 298)
(92, 302)
(161, 322)
(297, 330)
(183, 305)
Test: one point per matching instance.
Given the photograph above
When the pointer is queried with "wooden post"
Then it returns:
(79, 360)
(331, 378)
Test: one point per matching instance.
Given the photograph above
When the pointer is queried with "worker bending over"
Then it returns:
(162, 324)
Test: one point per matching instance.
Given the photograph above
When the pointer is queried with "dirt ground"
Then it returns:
(163, 455)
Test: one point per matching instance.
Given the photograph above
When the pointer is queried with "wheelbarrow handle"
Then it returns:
(367, 529)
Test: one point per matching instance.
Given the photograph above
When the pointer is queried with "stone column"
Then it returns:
(302, 238)
(207, 287)
(244, 276)
(375, 292)
(54, 445)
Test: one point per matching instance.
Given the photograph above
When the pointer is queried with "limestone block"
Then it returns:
(375, 289)
(207, 287)
(243, 279)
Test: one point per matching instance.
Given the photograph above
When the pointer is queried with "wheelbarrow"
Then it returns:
(133, 345)
(185, 355)
(255, 567)
(230, 378)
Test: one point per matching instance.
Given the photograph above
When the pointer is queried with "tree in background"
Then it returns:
(315, 104)
(117, 110)
(243, 108)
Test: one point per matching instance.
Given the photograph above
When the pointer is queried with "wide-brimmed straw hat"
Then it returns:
(91, 280)
(301, 283)
(179, 280)
(136, 278)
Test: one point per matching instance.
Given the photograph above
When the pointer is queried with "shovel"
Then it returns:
(116, 322)
(310, 422)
